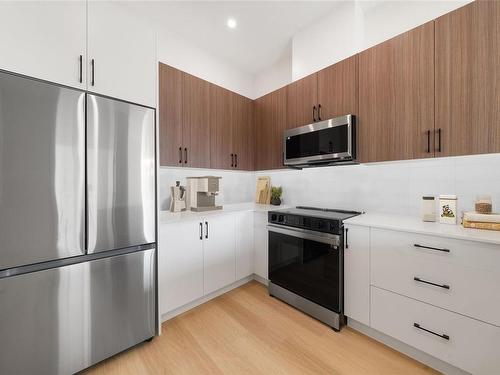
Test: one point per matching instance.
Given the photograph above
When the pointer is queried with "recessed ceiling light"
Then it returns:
(231, 23)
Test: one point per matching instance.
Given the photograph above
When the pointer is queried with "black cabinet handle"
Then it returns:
(201, 231)
(319, 112)
(346, 242)
(236, 160)
(81, 68)
(232, 160)
(92, 64)
(206, 227)
(185, 155)
(444, 286)
(314, 113)
(180, 155)
(428, 141)
(431, 248)
(443, 336)
(439, 140)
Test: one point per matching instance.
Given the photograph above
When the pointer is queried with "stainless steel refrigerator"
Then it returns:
(77, 227)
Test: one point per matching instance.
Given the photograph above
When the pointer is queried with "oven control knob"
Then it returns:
(273, 217)
(321, 224)
(281, 218)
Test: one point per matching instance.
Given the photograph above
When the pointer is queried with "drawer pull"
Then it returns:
(444, 286)
(443, 336)
(431, 248)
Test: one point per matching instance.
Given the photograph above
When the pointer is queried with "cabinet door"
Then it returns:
(244, 244)
(124, 54)
(396, 97)
(338, 89)
(242, 132)
(261, 241)
(468, 80)
(219, 252)
(180, 265)
(270, 122)
(170, 105)
(44, 40)
(221, 125)
(302, 102)
(195, 121)
(357, 273)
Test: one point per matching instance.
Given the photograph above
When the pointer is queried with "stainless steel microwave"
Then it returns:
(328, 142)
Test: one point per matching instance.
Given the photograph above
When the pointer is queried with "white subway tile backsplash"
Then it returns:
(392, 187)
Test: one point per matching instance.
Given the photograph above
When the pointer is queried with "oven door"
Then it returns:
(307, 263)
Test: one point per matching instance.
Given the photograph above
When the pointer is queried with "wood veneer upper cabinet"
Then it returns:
(243, 133)
(196, 123)
(338, 89)
(170, 107)
(468, 79)
(302, 101)
(270, 121)
(396, 97)
(221, 125)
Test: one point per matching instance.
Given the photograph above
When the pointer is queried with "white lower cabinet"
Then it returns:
(218, 252)
(244, 244)
(437, 294)
(463, 342)
(180, 264)
(456, 275)
(200, 256)
(260, 243)
(357, 273)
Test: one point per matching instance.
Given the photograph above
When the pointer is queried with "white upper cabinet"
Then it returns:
(123, 51)
(45, 40)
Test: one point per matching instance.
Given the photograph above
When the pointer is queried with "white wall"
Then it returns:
(276, 76)
(392, 187)
(357, 25)
(177, 52)
(236, 186)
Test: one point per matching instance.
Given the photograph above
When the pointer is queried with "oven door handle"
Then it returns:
(328, 238)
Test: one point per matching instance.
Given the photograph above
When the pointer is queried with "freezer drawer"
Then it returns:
(42, 171)
(61, 320)
(120, 174)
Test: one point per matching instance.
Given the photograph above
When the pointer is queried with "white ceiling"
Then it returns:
(264, 30)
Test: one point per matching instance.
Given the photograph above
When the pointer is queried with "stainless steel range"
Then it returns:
(306, 260)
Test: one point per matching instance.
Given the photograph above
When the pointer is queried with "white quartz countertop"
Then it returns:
(414, 224)
(167, 217)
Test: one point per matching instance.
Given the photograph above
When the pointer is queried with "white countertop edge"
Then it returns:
(413, 224)
(167, 217)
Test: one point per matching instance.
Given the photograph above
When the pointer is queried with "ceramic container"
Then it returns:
(428, 209)
(448, 209)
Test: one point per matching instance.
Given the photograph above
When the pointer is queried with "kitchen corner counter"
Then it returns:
(413, 224)
(167, 217)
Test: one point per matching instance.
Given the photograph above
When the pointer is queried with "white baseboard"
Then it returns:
(260, 279)
(406, 349)
(171, 314)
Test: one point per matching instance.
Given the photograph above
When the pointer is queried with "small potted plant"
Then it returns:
(276, 192)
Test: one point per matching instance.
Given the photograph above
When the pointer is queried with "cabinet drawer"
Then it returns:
(471, 345)
(464, 279)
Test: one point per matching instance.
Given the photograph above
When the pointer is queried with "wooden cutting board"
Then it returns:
(263, 190)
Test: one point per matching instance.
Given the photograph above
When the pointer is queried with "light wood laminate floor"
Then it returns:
(247, 332)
